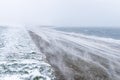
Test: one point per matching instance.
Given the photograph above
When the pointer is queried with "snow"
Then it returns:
(20, 59)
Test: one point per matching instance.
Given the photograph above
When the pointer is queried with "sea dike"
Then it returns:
(78, 57)
(35, 53)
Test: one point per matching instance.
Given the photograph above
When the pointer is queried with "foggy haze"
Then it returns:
(60, 12)
(59, 40)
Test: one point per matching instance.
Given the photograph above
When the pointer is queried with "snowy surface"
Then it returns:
(20, 59)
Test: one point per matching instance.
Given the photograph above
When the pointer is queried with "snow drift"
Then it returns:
(78, 57)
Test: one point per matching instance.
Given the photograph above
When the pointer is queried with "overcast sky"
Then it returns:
(60, 12)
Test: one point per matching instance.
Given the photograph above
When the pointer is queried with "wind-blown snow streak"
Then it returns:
(79, 57)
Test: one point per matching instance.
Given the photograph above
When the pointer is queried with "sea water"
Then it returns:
(108, 32)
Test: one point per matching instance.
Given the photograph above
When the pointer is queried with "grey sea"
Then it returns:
(100, 32)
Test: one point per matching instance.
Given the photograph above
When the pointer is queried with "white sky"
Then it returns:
(60, 12)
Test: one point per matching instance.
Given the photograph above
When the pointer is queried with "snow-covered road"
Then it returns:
(20, 59)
